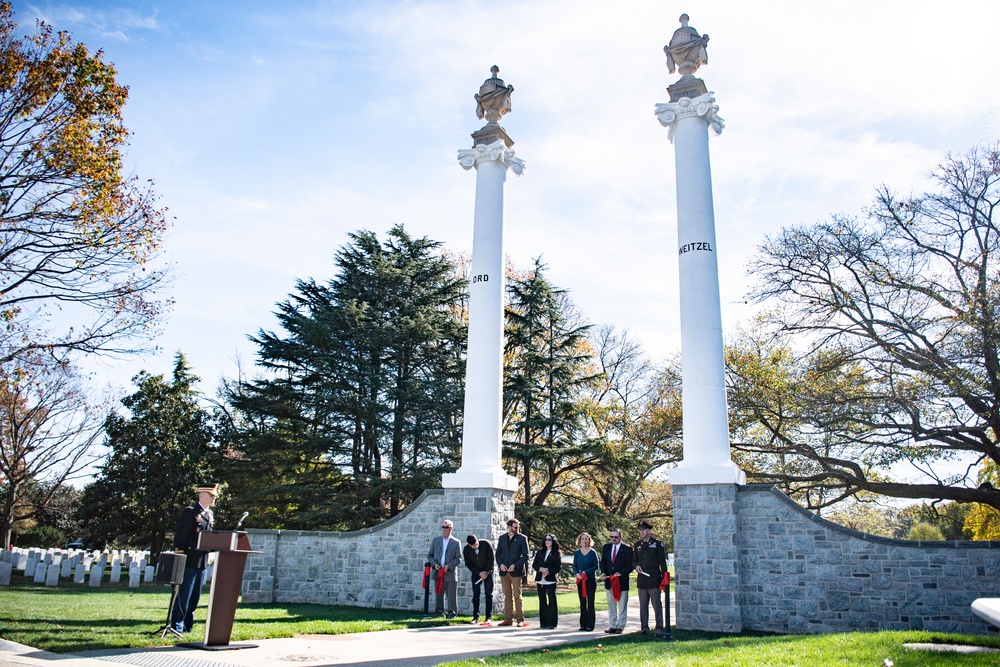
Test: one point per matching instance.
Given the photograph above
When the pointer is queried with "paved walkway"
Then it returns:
(414, 647)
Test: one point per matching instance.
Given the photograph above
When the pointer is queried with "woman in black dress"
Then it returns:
(547, 563)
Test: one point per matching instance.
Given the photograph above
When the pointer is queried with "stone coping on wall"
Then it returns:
(850, 532)
(388, 523)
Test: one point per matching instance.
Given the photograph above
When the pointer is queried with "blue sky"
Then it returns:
(273, 129)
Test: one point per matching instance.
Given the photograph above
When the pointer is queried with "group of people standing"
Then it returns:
(647, 558)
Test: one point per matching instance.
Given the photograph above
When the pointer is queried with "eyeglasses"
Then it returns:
(548, 539)
(616, 537)
(445, 527)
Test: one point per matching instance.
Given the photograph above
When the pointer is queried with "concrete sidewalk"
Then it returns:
(415, 647)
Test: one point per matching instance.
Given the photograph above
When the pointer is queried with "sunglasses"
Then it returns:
(445, 527)
(616, 537)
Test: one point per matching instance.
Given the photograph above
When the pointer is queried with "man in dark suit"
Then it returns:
(616, 565)
(512, 559)
(445, 554)
(478, 557)
(193, 520)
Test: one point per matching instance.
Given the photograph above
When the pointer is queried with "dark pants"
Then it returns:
(482, 586)
(548, 613)
(188, 593)
(647, 596)
(587, 615)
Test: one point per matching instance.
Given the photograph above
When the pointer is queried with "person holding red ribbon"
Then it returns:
(616, 566)
(585, 565)
(445, 555)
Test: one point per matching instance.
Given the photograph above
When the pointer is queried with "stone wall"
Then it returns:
(796, 572)
(379, 567)
(706, 559)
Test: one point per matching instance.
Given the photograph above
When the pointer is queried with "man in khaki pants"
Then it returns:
(512, 557)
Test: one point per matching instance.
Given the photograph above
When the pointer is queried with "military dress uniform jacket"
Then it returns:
(513, 551)
(651, 556)
(192, 520)
(622, 564)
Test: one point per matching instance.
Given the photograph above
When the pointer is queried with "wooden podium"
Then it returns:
(232, 547)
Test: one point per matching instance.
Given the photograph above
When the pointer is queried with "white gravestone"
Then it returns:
(116, 571)
(149, 574)
(40, 571)
(5, 570)
(67, 568)
(133, 577)
(80, 574)
(21, 562)
(29, 568)
(96, 574)
(52, 575)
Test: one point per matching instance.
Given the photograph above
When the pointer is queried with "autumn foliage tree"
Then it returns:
(884, 348)
(77, 237)
(48, 429)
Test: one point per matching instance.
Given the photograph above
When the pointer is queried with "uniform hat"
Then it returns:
(209, 488)
(644, 524)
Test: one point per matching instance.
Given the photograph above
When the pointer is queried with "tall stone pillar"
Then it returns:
(704, 484)
(491, 155)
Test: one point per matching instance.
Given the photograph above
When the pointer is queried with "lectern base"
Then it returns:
(202, 646)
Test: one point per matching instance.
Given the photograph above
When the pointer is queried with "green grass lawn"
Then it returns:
(75, 618)
(696, 649)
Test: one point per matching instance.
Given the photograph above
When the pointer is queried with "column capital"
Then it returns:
(471, 157)
(703, 106)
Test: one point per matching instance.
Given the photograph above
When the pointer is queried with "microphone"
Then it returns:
(240, 522)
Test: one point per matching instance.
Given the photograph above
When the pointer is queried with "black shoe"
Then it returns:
(618, 631)
(450, 616)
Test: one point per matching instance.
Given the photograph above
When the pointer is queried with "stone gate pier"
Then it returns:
(746, 556)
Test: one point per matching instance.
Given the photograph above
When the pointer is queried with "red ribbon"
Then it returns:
(616, 588)
(582, 578)
(440, 586)
(665, 584)
(427, 575)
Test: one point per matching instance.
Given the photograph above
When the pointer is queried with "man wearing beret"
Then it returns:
(193, 519)
(650, 559)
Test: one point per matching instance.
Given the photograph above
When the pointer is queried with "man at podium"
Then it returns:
(193, 519)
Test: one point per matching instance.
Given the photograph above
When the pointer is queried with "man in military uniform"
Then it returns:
(193, 519)
(650, 560)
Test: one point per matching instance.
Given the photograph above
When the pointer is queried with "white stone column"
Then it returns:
(706, 420)
(491, 155)
(482, 447)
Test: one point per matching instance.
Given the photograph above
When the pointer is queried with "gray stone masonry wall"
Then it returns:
(706, 559)
(379, 567)
(801, 573)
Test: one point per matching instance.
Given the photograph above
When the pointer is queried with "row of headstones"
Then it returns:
(48, 566)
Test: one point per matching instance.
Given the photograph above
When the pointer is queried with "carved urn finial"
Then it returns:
(493, 100)
(686, 50)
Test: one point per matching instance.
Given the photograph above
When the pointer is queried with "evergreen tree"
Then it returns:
(358, 409)
(548, 367)
(158, 453)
